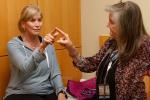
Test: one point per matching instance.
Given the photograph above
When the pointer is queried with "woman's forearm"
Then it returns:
(74, 54)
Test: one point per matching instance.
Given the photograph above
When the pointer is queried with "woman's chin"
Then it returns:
(36, 33)
(111, 35)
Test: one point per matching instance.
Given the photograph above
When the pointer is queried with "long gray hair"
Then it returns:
(131, 28)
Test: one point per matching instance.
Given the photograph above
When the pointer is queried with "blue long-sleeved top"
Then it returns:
(32, 72)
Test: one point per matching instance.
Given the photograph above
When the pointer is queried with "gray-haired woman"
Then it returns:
(124, 58)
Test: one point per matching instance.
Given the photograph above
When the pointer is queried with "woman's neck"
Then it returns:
(31, 41)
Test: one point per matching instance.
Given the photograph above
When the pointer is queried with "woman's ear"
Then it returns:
(23, 25)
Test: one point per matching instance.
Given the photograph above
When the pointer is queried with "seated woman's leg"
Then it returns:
(24, 97)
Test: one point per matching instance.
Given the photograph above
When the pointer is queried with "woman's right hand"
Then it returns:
(49, 38)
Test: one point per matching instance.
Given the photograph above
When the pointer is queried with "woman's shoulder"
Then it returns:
(14, 40)
(143, 52)
(145, 42)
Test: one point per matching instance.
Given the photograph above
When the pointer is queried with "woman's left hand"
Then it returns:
(61, 96)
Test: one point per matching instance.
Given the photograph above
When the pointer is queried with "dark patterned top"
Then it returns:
(128, 82)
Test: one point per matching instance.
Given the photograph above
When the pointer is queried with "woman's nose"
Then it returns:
(107, 25)
(37, 23)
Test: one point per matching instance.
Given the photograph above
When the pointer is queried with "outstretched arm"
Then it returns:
(67, 43)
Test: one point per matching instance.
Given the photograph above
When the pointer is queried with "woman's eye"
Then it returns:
(39, 19)
(32, 20)
(111, 21)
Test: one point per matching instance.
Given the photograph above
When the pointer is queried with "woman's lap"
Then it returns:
(31, 97)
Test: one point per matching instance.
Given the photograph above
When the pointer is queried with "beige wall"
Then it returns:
(94, 21)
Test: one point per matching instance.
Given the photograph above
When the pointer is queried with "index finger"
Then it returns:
(62, 32)
(53, 31)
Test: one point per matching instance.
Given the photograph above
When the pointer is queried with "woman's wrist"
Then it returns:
(42, 47)
(72, 52)
(63, 93)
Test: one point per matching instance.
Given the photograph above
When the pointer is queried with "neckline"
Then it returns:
(40, 38)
